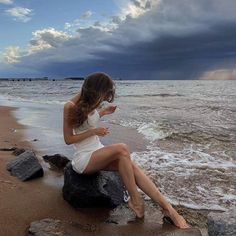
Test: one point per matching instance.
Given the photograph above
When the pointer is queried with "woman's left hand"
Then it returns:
(109, 110)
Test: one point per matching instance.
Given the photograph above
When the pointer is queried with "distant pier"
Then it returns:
(24, 79)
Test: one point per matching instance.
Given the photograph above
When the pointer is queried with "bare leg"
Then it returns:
(148, 187)
(103, 157)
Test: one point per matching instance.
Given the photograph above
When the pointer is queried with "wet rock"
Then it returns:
(222, 224)
(103, 189)
(18, 151)
(56, 161)
(46, 227)
(53, 227)
(26, 166)
(123, 222)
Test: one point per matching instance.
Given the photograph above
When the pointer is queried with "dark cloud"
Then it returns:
(136, 3)
(175, 57)
(174, 40)
(139, 4)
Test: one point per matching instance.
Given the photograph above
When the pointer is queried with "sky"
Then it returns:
(128, 39)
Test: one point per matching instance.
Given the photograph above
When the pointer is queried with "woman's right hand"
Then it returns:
(101, 131)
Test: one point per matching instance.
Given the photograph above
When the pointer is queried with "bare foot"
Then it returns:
(137, 208)
(177, 219)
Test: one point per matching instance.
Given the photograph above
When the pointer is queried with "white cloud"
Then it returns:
(87, 14)
(219, 75)
(20, 13)
(7, 2)
(135, 8)
(67, 25)
(47, 38)
(12, 54)
(73, 26)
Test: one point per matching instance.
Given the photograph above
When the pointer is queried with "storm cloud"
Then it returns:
(182, 39)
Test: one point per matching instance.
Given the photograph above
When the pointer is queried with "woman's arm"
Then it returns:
(69, 137)
(107, 110)
(101, 113)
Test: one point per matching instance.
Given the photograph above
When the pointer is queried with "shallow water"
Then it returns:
(189, 131)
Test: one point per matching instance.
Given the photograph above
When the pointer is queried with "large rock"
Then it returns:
(103, 189)
(26, 166)
(222, 224)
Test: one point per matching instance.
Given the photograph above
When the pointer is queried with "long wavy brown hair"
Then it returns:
(97, 87)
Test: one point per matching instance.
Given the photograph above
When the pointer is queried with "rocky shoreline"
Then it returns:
(120, 216)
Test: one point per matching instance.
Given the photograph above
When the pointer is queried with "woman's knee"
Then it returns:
(123, 150)
(135, 167)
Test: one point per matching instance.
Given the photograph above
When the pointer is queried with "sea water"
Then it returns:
(189, 131)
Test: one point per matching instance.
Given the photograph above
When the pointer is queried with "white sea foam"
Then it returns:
(130, 123)
(10, 98)
(187, 176)
(153, 131)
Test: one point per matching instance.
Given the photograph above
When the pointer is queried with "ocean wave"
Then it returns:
(151, 131)
(179, 131)
(191, 177)
(200, 136)
(152, 95)
(11, 98)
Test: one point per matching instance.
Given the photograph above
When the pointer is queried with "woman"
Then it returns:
(80, 128)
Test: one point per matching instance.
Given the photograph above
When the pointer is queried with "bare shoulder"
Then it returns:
(71, 102)
(68, 105)
(74, 99)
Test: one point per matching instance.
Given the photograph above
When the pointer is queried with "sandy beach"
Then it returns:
(25, 202)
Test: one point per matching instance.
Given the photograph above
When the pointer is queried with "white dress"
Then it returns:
(85, 148)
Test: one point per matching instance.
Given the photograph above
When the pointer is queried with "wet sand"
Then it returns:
(24, 202)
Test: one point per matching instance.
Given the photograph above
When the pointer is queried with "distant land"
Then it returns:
(45, 78)
(74, 78)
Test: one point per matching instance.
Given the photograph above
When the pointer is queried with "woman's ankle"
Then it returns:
(168, 208)
(136, 199)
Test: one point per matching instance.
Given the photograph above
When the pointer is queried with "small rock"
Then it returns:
(222, 224)
(46, 227)
(57, 160)
(26, 166)
(18, 151)
(102, 189)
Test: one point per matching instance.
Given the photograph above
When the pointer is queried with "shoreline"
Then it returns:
(25, 202)
(38, 199)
